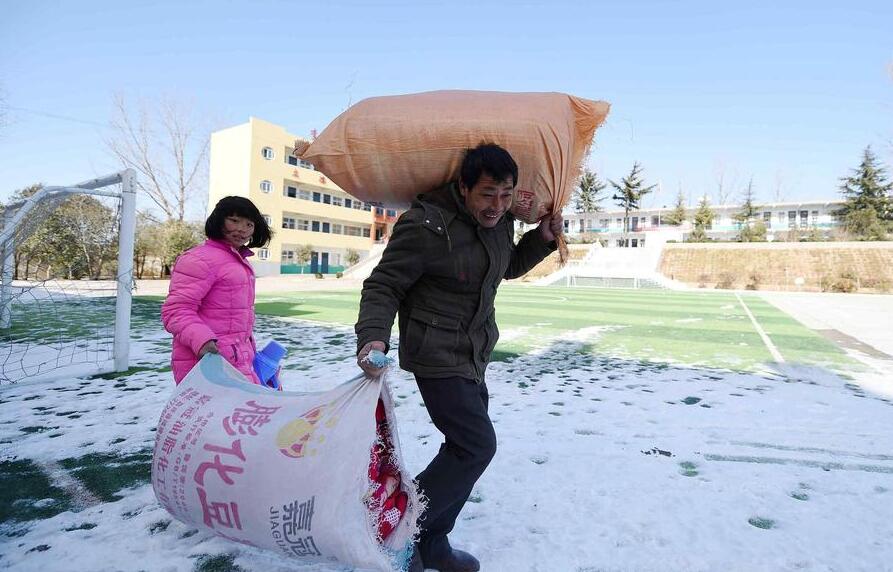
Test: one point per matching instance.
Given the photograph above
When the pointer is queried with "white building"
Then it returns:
(801, 217)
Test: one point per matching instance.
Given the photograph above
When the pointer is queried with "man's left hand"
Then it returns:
(551, 226)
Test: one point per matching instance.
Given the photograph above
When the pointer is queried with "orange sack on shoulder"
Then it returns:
(387, 150)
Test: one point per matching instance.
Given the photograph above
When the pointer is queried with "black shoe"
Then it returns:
(415, 562)
(455, 561)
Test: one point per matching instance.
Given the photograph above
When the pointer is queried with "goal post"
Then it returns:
(40, 333)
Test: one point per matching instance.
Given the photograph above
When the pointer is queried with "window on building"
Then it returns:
(266, 186)
(804, 219)
(314, 226)
(326, 227)
(292, 160)
(358, 205)
(337, 201)
(367, 207)
(288, 257)
(303, 224)
(767, 219)
(327, 199)
(792, 219)
(335, 259)
(815, 218)
(655, 220)
(263, 253)
(781, 218)
(267, 153)
(379, 211)
(336, 228)
(619, 223)
(317, 197)
(306, 165)
(366, 232)
(348, 202)
(267, 218)
(291, 192)
(288, 222)
(352, 230)
(304, 195)
(390, 212)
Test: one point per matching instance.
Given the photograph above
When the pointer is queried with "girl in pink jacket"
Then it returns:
(210, 304)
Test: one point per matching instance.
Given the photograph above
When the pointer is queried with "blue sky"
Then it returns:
(788, 93)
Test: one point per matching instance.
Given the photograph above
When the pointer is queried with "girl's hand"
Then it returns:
(210, 347)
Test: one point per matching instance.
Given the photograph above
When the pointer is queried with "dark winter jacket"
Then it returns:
(440, 270)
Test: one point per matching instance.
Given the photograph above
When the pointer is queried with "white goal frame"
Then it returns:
(16, 213)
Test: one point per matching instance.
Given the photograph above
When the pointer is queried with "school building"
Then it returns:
(318, 227)
(781, 220)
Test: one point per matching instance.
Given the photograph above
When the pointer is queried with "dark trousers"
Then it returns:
(458, 408)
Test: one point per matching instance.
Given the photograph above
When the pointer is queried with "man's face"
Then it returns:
(489, 199)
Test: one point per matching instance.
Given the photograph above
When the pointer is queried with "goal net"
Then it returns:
(66, 279)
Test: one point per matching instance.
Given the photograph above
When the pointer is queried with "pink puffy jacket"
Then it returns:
(211, 297)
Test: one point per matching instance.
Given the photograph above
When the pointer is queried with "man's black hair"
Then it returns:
(238, 206)
(490, 159)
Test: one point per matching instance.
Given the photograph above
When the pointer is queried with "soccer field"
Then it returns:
(637, 431)
(709, 329)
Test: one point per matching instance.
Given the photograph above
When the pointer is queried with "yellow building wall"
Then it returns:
(229, 171)
(238, 167)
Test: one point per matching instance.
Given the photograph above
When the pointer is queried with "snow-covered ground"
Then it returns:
(604, 464)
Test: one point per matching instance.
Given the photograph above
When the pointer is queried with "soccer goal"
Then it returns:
(66, 280)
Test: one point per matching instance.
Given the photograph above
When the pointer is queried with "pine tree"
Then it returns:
(631, 190)
(677, 216)
(702, 220)
(586, 195)
(867, 190)
(751, 229)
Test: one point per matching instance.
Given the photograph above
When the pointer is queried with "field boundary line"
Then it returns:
(80, 495)
(776, 355)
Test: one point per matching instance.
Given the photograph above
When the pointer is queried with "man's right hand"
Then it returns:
(210, 347)
(367, 365)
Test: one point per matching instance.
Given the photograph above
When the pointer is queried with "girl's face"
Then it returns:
(237, 230)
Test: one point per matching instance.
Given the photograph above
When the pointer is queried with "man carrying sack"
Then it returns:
(440, 272)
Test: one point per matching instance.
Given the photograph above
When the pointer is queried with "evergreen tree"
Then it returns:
(702, 220)
(177, 237)
(864, 223)
(867, 190)
(630, 192)
(677, 216)
(751, 228)
(586, 195)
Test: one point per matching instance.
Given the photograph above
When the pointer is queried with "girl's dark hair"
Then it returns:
(487, 158)
(238, 206)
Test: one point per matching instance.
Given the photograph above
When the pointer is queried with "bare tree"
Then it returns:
(4, 109)
(726, 181)
(890, 72)
(166, 147)
(777, 189)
